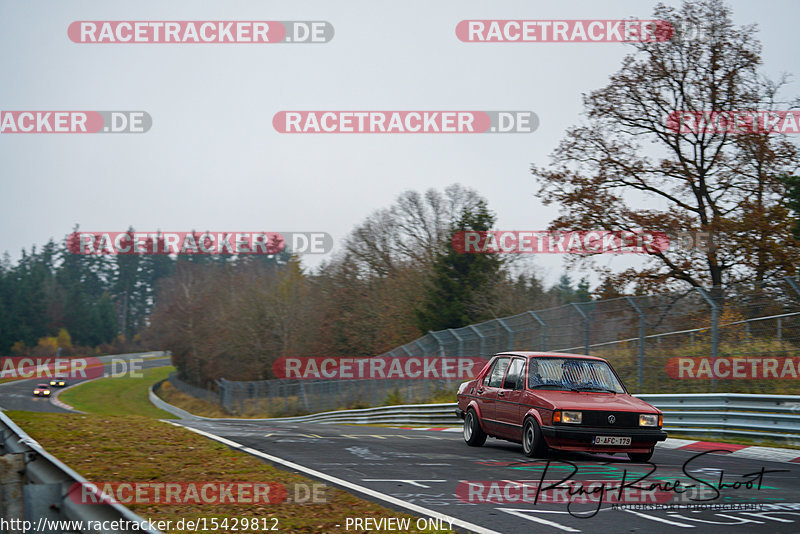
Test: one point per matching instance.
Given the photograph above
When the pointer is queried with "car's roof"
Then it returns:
(41, 385)
(528, 354)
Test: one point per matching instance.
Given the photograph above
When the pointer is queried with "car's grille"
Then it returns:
(621, 419)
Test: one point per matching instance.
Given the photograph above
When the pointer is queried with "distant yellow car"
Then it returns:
(58, 382)
(41, 390)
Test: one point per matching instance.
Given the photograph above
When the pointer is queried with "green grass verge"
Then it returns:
(118, 396)
(191, 404)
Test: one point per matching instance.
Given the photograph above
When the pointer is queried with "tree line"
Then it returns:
(395, 277)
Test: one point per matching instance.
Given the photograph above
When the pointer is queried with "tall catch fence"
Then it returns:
(739, 339)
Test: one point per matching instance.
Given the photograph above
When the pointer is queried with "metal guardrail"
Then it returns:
(405, 414)
(773, 417)
(35, 486)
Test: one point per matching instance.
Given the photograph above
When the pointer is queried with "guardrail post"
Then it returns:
(510, 334)
(12, 504)
(543, 325)
(482, 339)
(640, 373)
(714, 331)
(586, 327)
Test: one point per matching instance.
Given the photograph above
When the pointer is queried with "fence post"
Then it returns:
(586, 327)
(714, 331)
(543, 325)
(418, 343)
(640, 373)
(305, 398)
(481, 337)
(792, 281)
(439, 341)
(780, 330)
(460, 341)
(510, 334)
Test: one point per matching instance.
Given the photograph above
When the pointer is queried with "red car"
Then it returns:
(561, 401)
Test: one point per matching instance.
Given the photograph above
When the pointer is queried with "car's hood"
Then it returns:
(571, 400)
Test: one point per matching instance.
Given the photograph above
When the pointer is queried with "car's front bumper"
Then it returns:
(580, 438)
(459, 413)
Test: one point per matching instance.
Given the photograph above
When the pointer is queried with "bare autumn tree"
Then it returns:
(626, 168)
(191, 318)
(413, 230)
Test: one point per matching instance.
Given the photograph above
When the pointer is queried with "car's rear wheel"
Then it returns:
(473, 433)
(641, 456)
(532, 440)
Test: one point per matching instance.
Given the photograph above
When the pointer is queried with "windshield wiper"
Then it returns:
(598, 388)
(559, 387)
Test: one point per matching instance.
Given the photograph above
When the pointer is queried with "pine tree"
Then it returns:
(458, 278)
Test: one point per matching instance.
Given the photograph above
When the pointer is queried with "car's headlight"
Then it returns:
(567, 416)
(649, 419)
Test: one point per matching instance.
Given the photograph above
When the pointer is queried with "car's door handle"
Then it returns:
(501, 394)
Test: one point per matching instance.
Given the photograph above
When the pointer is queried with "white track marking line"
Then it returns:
(528, 514)
(655, 518)
(454, 521)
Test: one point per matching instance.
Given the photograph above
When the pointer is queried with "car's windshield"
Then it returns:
(572, 374)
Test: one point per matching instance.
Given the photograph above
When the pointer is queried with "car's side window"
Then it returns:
(488, 374)
(497, 372)
(512, 376)
(521, 378)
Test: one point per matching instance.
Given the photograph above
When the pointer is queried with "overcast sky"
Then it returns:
(212, 159)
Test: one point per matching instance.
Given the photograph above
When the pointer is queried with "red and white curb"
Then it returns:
(753, 452)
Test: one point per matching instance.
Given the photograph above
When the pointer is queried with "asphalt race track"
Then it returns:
(18, 395)
(424, 468)
(429, 471)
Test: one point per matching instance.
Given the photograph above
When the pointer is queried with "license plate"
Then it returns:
(611, 440)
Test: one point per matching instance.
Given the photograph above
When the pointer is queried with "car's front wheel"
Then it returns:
(641, 456)
(532, 441)
(473, 433)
